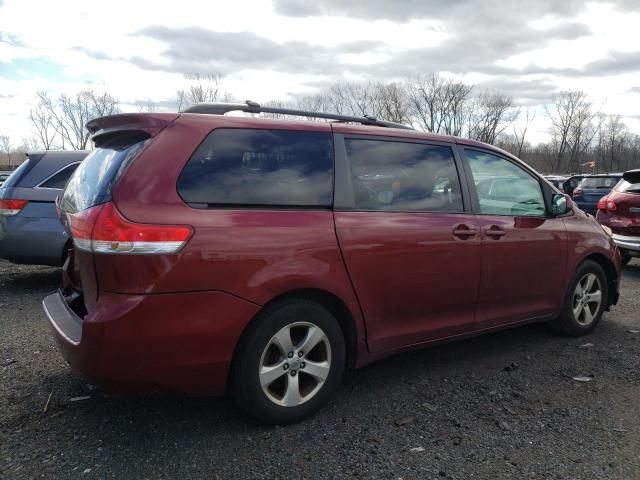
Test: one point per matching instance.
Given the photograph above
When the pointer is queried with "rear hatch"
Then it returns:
(87, 198)
(592, 189)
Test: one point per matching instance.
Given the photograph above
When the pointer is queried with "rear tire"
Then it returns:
(585, 300)
(289, 362)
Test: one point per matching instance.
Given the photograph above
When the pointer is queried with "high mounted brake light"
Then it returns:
(8, 208)
(102, 229)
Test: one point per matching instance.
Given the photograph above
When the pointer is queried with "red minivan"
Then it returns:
(620, 211)
(262, 257)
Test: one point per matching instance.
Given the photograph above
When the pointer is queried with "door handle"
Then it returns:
(494, 232)
(464, 231)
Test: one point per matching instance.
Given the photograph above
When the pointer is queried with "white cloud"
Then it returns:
(536, 48)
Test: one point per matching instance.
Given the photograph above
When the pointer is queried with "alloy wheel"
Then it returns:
(587, 298)
(295, 364)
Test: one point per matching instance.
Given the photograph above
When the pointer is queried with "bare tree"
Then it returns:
(201, 88)
(351, 98)
(145, 105)
(438, 104)
(318, 102)
(614, 139)
(102, 103)
(572, 127)
(69, 114)
(520, 133)
(43, 121)
(392, 102)
(490, 114)
(5, 147)
(74, 112)
(29, 144)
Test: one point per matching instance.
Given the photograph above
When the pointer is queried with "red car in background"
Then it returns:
(263, 257)
(620, 211)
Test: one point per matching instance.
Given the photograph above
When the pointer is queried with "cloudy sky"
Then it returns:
(138, 50)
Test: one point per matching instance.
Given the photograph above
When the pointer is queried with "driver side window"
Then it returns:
(503, 187)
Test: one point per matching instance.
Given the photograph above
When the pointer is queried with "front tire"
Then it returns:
(585, 300)
(289, 362)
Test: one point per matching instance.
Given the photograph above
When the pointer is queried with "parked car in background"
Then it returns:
(572, 183)
(265, 256)
(30, 230)
(3, 176)
(565, 183)
(557, 181)
(620, 211)
(592, 188)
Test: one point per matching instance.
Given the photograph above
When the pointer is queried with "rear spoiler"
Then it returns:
(145, 124)
(632, 176)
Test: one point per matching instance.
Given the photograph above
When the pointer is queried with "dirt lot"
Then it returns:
(500, 406)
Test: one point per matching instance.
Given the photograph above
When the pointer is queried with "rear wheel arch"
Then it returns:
(328, 300)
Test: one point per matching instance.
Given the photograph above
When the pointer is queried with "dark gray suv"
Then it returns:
(30, 231)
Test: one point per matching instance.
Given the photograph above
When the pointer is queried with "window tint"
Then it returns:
(260, 167)
(60, 179)
(401, 176)
(600, 182)
(16, 175)
(94, 178)
(574, 182)
(626, 187)
(504, 188)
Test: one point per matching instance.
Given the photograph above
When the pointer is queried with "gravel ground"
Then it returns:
(503, 405)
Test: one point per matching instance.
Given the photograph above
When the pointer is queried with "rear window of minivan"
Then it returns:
(260, 167)
(94, 178)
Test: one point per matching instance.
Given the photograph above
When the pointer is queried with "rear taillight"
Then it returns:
(9, 208)
(611, 205)
(606, 203)
(602, 203)
(102, 229)
(577, 193)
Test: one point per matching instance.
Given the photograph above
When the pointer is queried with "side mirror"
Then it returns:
(559, 205)
(632, 176)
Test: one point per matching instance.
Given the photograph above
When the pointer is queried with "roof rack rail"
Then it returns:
(253, 107)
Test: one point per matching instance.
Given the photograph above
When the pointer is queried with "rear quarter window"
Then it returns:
(625, 187)
(260, 167)
(59, 180)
